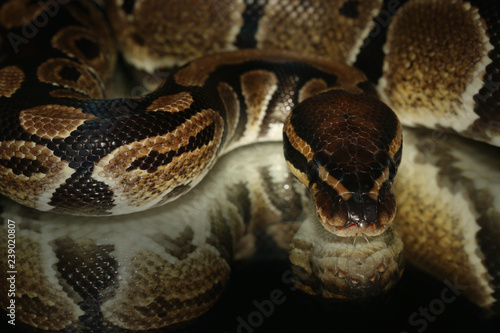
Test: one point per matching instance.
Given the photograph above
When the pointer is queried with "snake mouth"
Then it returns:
(345, 268)
(356, 215)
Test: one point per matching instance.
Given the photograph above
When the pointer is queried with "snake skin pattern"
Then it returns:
(67, 146)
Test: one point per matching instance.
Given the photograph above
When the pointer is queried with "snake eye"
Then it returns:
(320, 159)
(312, 171)
(394, 163)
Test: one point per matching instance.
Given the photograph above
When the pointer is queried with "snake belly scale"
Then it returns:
(67, 148)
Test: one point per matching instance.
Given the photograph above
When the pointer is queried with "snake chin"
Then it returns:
(345, 268)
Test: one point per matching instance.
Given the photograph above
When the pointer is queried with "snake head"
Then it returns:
(346, 148)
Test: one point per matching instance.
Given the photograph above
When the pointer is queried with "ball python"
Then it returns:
(138, 272)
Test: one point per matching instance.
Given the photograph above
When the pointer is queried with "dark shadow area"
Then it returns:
(260, 298)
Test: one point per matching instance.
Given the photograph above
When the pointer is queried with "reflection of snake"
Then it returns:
(65, 149)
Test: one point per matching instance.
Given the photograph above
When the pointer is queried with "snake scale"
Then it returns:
(157, 222)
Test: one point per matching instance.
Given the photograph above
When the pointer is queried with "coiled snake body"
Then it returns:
(67, 149)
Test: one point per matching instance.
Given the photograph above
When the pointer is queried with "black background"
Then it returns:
(254, 283)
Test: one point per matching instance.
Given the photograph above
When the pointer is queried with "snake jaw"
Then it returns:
(358, 215)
